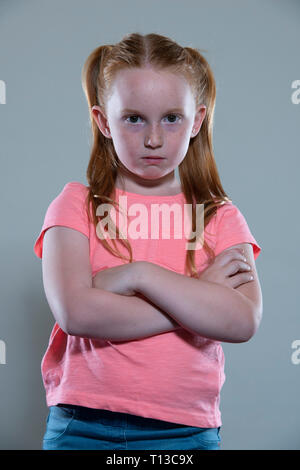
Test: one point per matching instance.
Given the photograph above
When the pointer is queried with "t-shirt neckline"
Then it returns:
(149, 196)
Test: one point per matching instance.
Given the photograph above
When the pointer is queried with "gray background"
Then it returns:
(253, 48)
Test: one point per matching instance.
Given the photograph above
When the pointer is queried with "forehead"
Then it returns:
(140, 87)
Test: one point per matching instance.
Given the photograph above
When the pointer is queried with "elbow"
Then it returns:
(68, 329)
(253, 321)
(61, 316)
(64, 323)
(70, 326)
(73, 329)
(75, 323)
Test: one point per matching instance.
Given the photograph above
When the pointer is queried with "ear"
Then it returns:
(198, 119)
(101, 121)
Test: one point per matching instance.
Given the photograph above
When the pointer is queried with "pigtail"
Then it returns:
(103, 164)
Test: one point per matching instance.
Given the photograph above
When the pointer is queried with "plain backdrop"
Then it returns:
(253, 49)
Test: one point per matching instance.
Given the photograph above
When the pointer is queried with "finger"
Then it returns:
(229, 256)
(236, 265)
(236, 249)
(239, 279)
(231, 253)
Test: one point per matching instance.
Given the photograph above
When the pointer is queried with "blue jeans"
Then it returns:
(73, 427)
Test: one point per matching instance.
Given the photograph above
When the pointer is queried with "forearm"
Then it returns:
(97, 313)
(205, 308)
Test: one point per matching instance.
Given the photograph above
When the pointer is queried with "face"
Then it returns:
(149, 113)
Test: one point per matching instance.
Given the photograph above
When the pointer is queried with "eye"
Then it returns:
(135, 117)
(130, 117)
(173, 116)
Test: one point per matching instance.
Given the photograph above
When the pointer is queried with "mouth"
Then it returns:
(153, 159)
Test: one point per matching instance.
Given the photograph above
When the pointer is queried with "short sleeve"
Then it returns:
(68, 210)
(232, 229)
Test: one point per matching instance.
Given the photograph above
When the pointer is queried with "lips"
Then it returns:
(153, 160)
(154, 157)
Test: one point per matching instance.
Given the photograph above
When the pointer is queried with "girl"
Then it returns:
(134, 359)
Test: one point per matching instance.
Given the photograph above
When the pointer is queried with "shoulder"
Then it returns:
(72, 193)
(227, 213)
(67, 209)
(226, 207)
(231, 228)
(75, 187)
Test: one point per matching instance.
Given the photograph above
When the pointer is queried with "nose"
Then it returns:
(153, 137)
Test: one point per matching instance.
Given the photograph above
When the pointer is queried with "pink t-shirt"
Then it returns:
(175, 376)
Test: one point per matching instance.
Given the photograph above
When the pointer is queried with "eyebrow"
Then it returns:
(173, 110)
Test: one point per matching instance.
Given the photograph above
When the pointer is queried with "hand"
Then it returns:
(228, 269)
(119, 279)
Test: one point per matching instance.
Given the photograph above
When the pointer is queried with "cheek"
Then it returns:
(123, 142)
(180, 146)
(126, 147)
(129, 139)
(180, 140)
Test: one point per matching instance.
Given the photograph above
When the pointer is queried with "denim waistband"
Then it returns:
(121, 418)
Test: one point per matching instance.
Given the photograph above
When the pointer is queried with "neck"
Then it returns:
(165, 186)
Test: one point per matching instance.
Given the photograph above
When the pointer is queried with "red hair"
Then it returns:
(198, 172)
